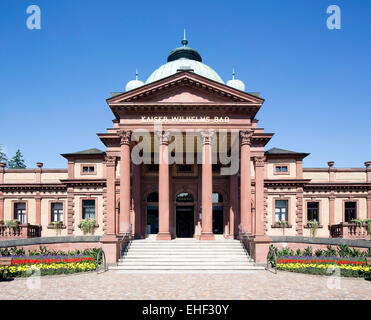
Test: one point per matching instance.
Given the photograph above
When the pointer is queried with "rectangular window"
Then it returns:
(281, 169)
(88, 209)
(88, 169)
(20, 212)
(313, 211)
(350, 211)
(57, 212)
(281, 210)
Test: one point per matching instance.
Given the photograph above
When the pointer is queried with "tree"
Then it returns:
(17, 162)
(3, 157)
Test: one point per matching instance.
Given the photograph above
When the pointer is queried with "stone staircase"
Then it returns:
(186, 255)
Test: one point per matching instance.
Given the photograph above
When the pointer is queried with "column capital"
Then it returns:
(125, 137)
(246, 137)
(207, 136)
(110, 161)
(260, 161)
(163, 137)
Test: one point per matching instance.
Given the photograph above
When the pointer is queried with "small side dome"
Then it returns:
(133, 84)
(236, 84)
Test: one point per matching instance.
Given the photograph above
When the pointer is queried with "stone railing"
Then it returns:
(349, 231)
(21, 231)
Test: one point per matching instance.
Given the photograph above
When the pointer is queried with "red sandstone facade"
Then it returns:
(186, 198)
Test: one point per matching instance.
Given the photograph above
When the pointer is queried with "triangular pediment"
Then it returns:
(185, 87)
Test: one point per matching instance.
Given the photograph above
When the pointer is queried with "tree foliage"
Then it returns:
(17, 162)
(3, 157)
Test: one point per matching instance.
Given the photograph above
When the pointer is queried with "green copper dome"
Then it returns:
(184, 52)
(184, 59)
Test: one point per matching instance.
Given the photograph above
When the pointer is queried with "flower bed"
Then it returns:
(324, 266)
(341, 261)
(42, 262)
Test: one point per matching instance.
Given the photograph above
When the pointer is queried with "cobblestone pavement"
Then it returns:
(118, 285)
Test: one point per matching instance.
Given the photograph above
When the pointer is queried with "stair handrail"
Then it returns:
(245, 240)
(125, 241)
(104, 260)
(272, 251)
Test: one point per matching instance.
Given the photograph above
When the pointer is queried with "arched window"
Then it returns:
(152, 197)
(184, 197)
(217, 197)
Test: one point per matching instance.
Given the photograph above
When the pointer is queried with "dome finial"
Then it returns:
(235, 83)
(184, 41)
(133, 84)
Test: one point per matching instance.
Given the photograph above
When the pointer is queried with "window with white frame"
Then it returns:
(88, 209)
(350, 211)
(281, 210)
(57, 212)
(20, 212)
(313, 211)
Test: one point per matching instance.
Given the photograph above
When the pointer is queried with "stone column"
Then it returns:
(163, 186)
(368, 177)
(331, 171)
(245, 173)
(38, 209)
(137, 200)
(332, 209)
(39, 171)
(207, 186)
(110, 241)
(125, 196)
(71, 169)
(233, 205)
(259, 195)
(110, 163)
(299, 169)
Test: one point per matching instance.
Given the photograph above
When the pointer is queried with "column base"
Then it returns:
(111, 248)
(164, 236)
(207, 236)
(261, 245)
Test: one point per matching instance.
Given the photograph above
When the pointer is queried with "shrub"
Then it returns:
(87, 225)
(330, 252)
(308, 251)
(313, 224)
(344, 251)
(12, 224)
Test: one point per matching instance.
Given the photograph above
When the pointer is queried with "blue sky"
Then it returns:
(316, 81)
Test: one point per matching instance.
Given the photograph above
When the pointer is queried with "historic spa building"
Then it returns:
(185, 157)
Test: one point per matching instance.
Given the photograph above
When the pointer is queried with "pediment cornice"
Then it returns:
(221, 93)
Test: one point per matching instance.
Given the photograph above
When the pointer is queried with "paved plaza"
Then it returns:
(178, 286)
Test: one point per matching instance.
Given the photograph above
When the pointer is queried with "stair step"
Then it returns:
(184, 263)
(184, 259)
(185, 267)
(183, 255)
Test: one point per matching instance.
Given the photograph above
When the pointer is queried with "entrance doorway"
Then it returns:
(218, 220)
(152, 213)
(184, 221)
(152, 220)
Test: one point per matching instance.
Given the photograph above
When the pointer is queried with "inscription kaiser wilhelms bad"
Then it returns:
(184, 119)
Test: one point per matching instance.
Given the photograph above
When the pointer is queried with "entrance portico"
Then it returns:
(198, 170)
